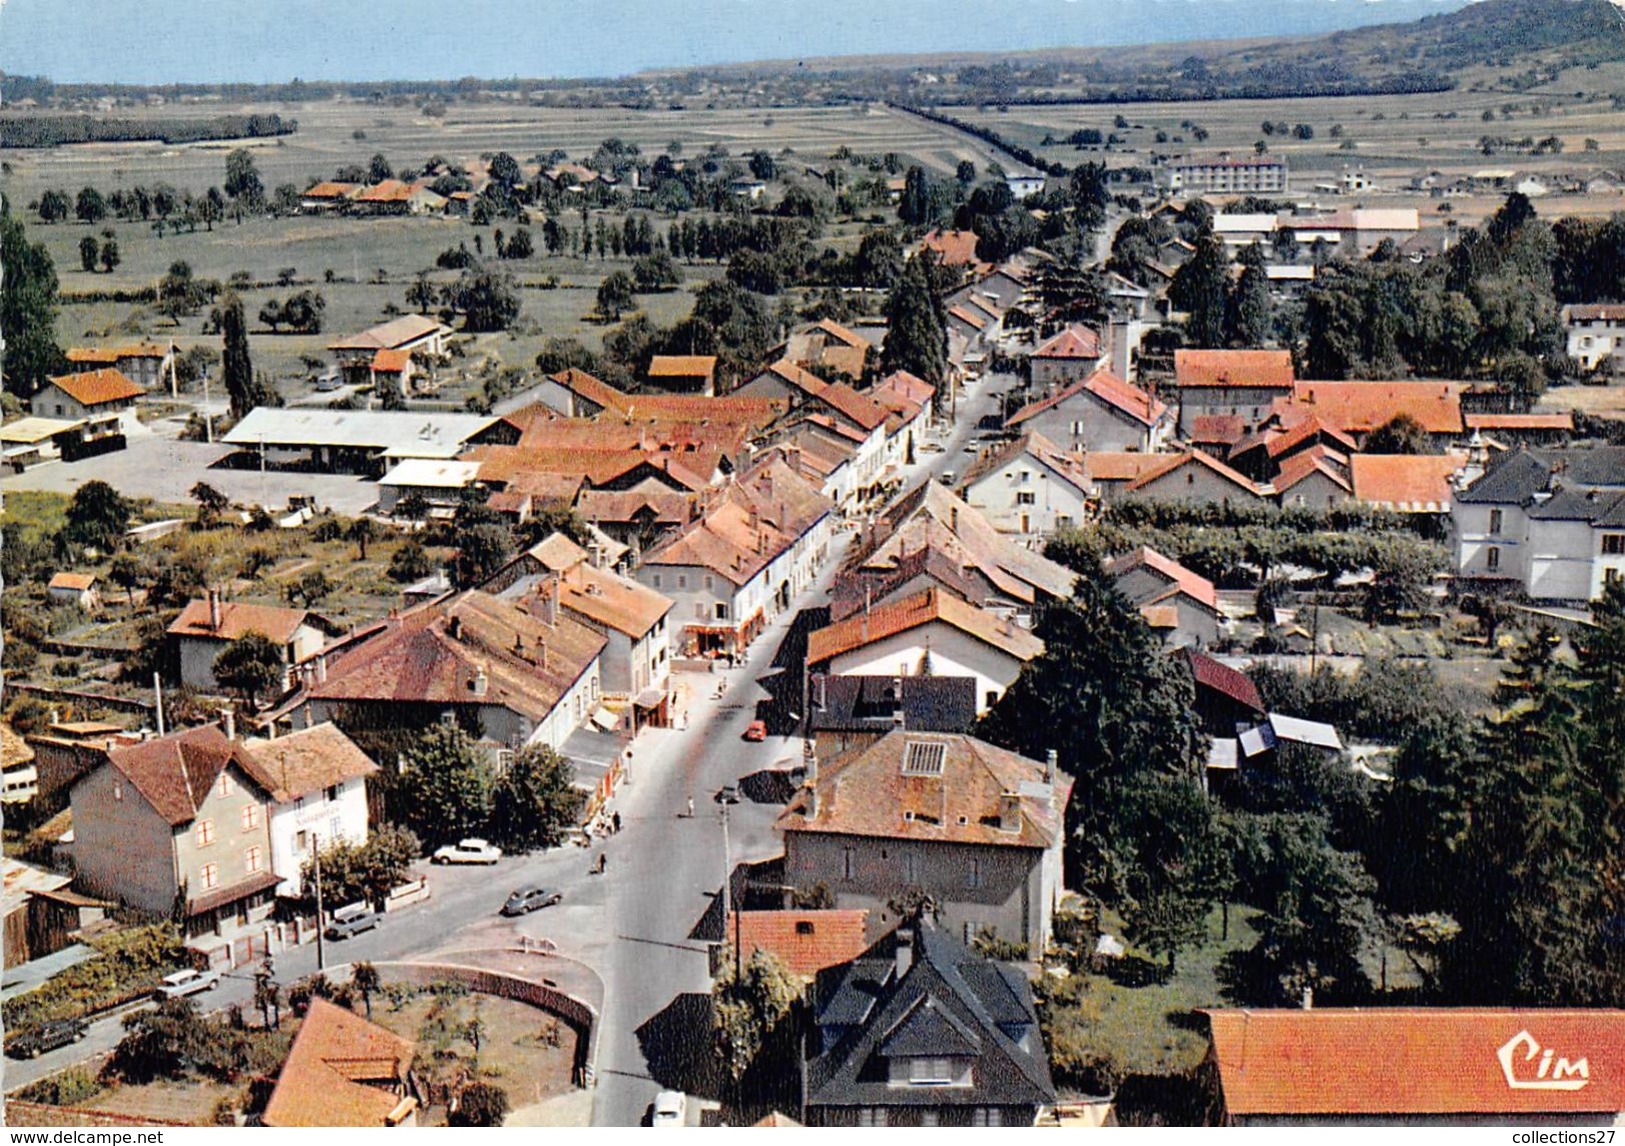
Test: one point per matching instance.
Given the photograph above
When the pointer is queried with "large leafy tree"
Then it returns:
(534, 801)
(243, 182)
(447, 787)
(1171, 867)
(917, 328)
(97, 517)
(748, 1007)
(252, 665)
(1201, 288)
(28, 310)
(368, 871)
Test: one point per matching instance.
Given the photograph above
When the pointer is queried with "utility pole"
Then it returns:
(208, 417)
(727, 899)
(316, 851)
(158, 697)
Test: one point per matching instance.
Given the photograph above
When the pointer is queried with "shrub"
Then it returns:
(128, 965)
(71, 1087)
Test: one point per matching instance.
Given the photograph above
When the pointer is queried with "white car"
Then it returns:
(467, 851)
(670, 1109)
(183, 983)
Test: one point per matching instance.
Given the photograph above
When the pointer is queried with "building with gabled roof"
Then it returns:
(955, 248)
(1028, 485)
(684, 373)
(807, 941)
(849, 713)
(1066, 357)
(1418, 1066)
(1182, 604)
(77, 589)
(176, 822)
(144, 363)
(521, 671)
(102, 401)
(1193, 476)
(1406, 483)
(977, 828)
(1316, 478)
(1596, 333)
(1355, 409)
(206, 626)
(828, 344)
(1098, 411)
(1244, 383)
(930, 633)
(343, 1071)
(920, 1030)
(315, 781)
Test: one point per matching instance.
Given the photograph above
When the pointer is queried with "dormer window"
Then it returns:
(924, 758)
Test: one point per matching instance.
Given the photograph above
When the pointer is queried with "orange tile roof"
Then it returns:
(391, 361)
(682, 366)
(77, 582)
(872, 794)
(387, 191)
(841, 334)
(1360, 407)
(1191, 457)
(92, 354)
(1520, 421)
(238, 619)
(957, 248)
(973, 320)
(174, 773)
(807, 941)
(95, 387)
(1406, 482)
(332, 190)
(1114, 466)
(1183, 580)
(616, 602)
(1387, 1062)
(1299, 466)
(1073, 343)
(392, 335)
(340, 1071)
(304, 762)
(918, 609)
(1218, 429)
(1240, 368)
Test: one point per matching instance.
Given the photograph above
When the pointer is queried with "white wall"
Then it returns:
(343, 817)
(953, 653)
(1559, 560)
(1474, 539)
(999, 495)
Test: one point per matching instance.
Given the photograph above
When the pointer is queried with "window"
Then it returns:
(335, 828)
(1495, 521)
(1613, 576)
(847, 864)
(930, 1071)
(118, 790)
(923, 758)
(1026, 497)
(682, 580)
(251, 817)
(722, 610)
(973, 876)
(654, 580)
(301, 842)
(987, 1116)
(1026, 476)
(210, 876)
(911, 872)
(710, 582)
(699, 610)
(333, 792)
(1492, 558)
(1613, 544)
(226, 786)
(251, 859)
(992, 698)
(205, 833)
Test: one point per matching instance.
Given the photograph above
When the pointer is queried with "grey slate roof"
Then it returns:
(951, 1002)
(1518, 477)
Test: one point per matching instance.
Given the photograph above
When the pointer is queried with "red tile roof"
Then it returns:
(1114, 466)
(391, 361)
(807, 941)
(332, 190)
(1191, 457)
(876, 793)
(1220, 677)
(682, 366)
(1360, 407)
(1075, 342)
(237, 620)
(388, 191)
(911, 612)
(340, 1071)
(1218, 429)
(76, 582)
(957, 248)
(1299, 466)
(174, 773)
(1416, 483)
(1180, 579)
(1238, 368)
(1387, 1062)
(95, 387)
(304, 762)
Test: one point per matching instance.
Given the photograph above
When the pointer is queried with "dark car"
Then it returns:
(728, 794)
(756, 731)
(46, 1037)
(527, 899)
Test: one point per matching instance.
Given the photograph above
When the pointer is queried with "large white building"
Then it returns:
(1029, 486)
(316, 780)
(1596, 333)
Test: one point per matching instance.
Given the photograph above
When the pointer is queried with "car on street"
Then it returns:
(467, 851)
(728, 794)
(948, 477)
(46, 1037)
(972, 448)
(183, 983)
(756, 731)
(329, 382)
(931, 448)
(527, 899)
(351, 920)
(670, 1109)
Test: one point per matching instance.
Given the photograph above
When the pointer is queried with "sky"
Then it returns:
(260, 41)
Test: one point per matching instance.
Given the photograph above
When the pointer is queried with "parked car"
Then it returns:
(728, 794)
(47, 1037)
(183, 983)
(351, 920)
(467, 851)
(949, 478)
(527, 899)
(670, 1109)
(756, 731)
(329, 382)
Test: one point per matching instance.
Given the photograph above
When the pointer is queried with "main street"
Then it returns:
(631, 924)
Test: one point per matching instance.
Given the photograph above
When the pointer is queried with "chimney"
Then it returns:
(481, 684)
(550, 601)
(953, 519)
(904, 951)
(214, 610)
(1009, 811)
(1051, 759)
(454, 627)
(229, 722)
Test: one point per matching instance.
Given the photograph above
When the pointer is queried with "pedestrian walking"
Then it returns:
(615, 823)
(691, 807)
(602, 860)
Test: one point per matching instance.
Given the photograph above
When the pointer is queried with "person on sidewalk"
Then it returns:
(615, 823)
(691, 807)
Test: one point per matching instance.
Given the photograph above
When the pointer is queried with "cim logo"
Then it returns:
(1553, 1073)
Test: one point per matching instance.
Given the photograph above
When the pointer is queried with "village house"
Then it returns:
(741, 563)
(1534, 429)
(147, 364)
(576, 394)
(632, 617)
(1112, 473)
(1029, 486)
(328, 196)
(1098, 412)
(955, 249)
(1193, 477)
(1355, 409)
(1316, 478)
(1262, 454)
(930, 633)
(807, 941)
(205, 627)
(1407, 483)
(922, 1031)
(1227, 700)
(1382, 1066)
(907, 402)
(28, 441)
(861, 414)
(849, 713)
(1226, 176)
(389, 348)
(684, 374)
(440, 484)
(1068, 357)
(343, 1071)
(103, 400)
(827, 344)
(42, 913)
(977, 828)
(1596, 334)
(20, 782)
(1181, 605)
(519, 672)
(76, 589)
(177, 824)
(315, 782)
(1244, 383)
(1549, 524)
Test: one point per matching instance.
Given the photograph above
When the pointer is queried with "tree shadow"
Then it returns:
(676, 1044)
(769, 786)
